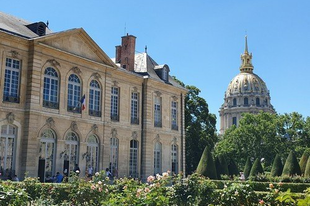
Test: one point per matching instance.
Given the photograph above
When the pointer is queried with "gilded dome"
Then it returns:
(246, 93)
(246, 83)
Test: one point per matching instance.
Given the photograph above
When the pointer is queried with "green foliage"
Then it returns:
(237, 194)
(247, 167)
(303, 160)
(277, 166)
(256, 168)
(307, 170)
(221, 166)
(12, 194)
(193, 190)
(206, 166)
(264, 135)
(291, 166)
(233, 168)
(199, 126)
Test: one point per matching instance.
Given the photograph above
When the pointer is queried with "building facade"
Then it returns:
(65, 102)
(246, 93)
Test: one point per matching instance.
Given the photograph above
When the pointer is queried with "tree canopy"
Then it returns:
(199, 126)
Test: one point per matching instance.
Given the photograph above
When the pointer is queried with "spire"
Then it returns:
(246, 59)
(246, 45)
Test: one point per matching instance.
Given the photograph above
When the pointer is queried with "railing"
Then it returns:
(8, 98)
(74, 109)
(94, 113)
(134, 120)
(48, 104)
(114, 117)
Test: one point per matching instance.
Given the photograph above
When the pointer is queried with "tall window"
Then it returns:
(7, 150)
(114, 103)
(174, 115)
(50, 89)
(94, 99)
(246, 101)
(257, 101)
(134, 108)
(174, 158)
(11, 80)
(234, 102)
(47, 152)
(113, 154)
(72, 150)
(133, 161)
(157, 112)
(157, 158)
(74, 94)
(92, 157)
(234, 121)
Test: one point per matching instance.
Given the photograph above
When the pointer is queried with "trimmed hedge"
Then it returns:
(247, 168)
(277, 166)
(291, 166)
(263, 186)
(256, 168)
(206, 166)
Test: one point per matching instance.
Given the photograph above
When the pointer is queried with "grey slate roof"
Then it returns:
(17, 26)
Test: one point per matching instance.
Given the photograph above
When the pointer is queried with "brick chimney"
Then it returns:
(125, 54)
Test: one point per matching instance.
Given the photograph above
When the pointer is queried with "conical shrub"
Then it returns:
(232, 168)
(206, 166)
(277, 167)
(303, 160)
(256, 168)
(221, 166)
(291, 166)
(307, 170)
(247, 168)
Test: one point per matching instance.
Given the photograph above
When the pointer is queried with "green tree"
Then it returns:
(232, 167)
(247, 168)
(256, 168)
(221, 166)
(256, 136)
(291, 166)
(277, 166)
(206, 166)
(199, 126)
(303, 161)
(307, 170)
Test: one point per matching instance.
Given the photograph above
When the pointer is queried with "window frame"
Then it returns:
(48, 102)
(157, 111)
(9, 96)
(74, 97)
(134, 159)
(94, 99)
(115, 100)
(157, 158)
(134, 108)
(174, 115)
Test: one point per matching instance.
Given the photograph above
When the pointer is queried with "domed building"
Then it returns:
(246, 93)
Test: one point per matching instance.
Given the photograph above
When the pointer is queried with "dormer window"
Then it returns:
(165, 74)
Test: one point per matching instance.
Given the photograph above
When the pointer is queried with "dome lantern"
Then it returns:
(246, 59)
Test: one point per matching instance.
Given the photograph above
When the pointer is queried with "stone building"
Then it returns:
(65, 102)
(246, 93)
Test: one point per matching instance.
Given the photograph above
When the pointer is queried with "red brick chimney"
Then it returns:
(125, 54)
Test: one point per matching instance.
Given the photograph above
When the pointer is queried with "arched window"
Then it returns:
(113, 154)
(246, 101)
(72, 150)
(257, 101)
(234, 102)
(94, 99)
(92, 157)
(174, 158)
(11, 80)
(157, 158)
(47, 155)
(74, 94)
(133, 161)
(50, 89)
(7, 150)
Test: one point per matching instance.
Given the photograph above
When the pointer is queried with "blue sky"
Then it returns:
(200, 40)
